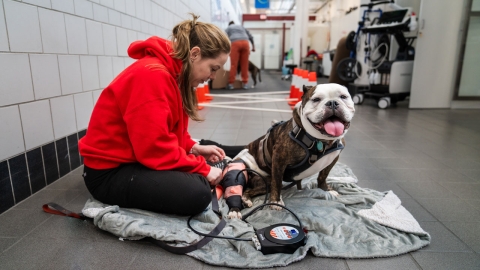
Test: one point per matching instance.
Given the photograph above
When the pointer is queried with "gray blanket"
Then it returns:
(360, 223)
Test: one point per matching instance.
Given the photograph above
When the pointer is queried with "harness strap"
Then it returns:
(53, 208)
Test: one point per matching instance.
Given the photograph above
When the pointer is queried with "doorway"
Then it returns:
(268, 49)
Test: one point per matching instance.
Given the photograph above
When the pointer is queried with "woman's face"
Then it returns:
(204, 69)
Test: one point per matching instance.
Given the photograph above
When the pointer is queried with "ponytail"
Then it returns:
(212, 42)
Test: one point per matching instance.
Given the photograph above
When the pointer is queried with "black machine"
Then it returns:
(390, 74)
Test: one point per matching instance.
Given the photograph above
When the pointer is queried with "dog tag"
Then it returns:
(320, 146)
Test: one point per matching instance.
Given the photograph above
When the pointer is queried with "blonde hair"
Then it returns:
(212, 42)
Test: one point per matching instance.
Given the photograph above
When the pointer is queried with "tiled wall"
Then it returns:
(56, 56)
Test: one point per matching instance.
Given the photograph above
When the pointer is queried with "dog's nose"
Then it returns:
(332, 104)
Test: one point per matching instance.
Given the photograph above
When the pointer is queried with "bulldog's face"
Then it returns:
(326, 111)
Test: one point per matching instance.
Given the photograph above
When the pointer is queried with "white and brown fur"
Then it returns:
(284, 151)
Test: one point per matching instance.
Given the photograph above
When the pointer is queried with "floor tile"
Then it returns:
(401, 262)
(18, 223)
(426, 189)
(468, 232)
(447, 261)
(442, 239)
(451, 209)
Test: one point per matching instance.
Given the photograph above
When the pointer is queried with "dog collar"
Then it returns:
(314, 147)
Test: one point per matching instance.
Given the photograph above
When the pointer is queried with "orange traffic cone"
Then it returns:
(312, 79)
(207, 92)
(302, 80)
(296, 78)
(292, 85)
(200, 95)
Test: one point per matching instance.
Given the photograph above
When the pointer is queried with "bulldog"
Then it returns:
(307, 144)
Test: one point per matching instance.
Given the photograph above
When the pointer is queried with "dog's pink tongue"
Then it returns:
(334, 128)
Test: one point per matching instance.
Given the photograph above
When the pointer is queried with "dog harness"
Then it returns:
(316, 159)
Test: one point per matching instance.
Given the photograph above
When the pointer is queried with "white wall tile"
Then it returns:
(70, 74)
(128, 61)
(154, 12)
(161, 16)
(63, 116)
(136, 24)
(64, 6)
(45, 75)
(168, 22)
(40, 3)
(120, 5)
(114, 17)
(37, 123)
(144, 25)
(132, 36)
(84, 8)
(147, 6)
(3, 30)
(118, 65)
(139, 9)
(96, 1)
(130, 7)
(126, 21)
(22, 26)
(105, 70)
(11, 137)
(100, 13)
(107, 3)
(89, 67)
(94, 37)
(96, 95)
(122, 41)
(76, 35)
(109, 39)
(54, 37)
(142, 36)
(15, 79)
(151, 29)
(83, 109)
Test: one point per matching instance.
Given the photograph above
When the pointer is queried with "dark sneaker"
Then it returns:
(244, 86)
(229, 87)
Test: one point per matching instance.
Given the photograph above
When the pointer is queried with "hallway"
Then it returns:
(429, 158)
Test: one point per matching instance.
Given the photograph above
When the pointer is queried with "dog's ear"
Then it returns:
(305, 95)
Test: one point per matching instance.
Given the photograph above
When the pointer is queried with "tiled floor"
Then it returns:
(429, 158)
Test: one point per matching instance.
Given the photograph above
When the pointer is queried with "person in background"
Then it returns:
(137, 151)
(239, 36)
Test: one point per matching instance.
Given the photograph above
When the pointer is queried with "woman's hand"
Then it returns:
(214, 176)
(211, 153)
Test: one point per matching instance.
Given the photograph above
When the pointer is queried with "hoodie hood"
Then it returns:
(159, 48)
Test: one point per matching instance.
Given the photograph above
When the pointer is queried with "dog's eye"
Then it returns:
(316, 99)
(343, 96)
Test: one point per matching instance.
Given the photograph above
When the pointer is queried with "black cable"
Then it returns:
(247, 215)
(217, 236)
(261, 206)
(261, 176)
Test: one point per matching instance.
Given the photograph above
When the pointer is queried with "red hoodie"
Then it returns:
(139, 117)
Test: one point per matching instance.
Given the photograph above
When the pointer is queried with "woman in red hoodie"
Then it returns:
(137, 151)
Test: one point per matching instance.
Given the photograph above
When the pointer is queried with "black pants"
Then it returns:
(136, 186)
